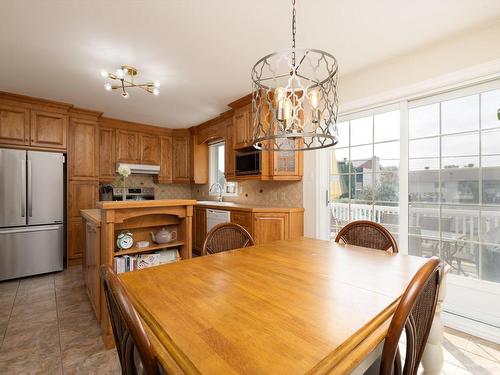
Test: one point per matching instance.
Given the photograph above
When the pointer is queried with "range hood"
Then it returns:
(140, 168)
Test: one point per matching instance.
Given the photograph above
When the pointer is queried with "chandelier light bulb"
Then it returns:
(104, 74)
(156, 91)
(108, 87)
(314, 98)
(156, 84)
(120, 73)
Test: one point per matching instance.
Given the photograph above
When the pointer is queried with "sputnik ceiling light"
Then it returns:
(125, 75)
(294, 99)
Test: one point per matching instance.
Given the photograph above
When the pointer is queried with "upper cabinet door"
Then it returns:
(48, 129)
(107, 156)
(241, 123)
(165, 175)
(82, 149)
(14, 125)
(127, 146)
(229, 153)
(150, 149)
(180, 160)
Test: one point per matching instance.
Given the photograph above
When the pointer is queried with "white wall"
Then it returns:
(467, 55)
(463, 57)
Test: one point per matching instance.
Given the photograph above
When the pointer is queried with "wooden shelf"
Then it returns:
(139, 250)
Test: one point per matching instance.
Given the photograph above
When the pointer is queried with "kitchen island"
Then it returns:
(139, 219)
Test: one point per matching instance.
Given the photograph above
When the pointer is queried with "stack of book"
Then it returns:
(128, 263)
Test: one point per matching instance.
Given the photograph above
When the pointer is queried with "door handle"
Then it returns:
(30, 229)
(23, 188)
(30, 191)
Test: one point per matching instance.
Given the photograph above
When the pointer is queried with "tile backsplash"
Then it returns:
(261, 193)
(162, 191)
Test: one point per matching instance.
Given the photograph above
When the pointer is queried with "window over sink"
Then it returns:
(217, 179)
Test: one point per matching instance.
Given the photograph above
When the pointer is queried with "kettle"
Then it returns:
(164, 236)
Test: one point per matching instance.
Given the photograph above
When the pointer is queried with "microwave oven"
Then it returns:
(248, 162)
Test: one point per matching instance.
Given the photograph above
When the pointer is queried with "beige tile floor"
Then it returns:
(47, 326)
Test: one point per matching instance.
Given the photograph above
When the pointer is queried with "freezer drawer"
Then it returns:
(31, 250)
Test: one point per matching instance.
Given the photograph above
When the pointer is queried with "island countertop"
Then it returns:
(112, 205)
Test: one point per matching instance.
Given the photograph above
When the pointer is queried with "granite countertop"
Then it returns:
(246, 207)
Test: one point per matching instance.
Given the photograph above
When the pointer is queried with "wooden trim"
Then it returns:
(32, 101)
(241, 102)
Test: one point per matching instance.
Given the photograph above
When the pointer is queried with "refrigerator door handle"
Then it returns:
(30, 191)
(30, 229)
(23, 189)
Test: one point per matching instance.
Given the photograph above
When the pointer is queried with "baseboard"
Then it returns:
(472, 327)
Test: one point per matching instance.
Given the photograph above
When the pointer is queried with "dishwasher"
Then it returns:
(215, 217)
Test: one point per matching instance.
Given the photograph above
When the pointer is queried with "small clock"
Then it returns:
(125, 240)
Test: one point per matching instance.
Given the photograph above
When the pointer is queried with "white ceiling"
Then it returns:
(201, 51)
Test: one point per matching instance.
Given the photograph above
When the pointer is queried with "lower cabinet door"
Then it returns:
(270, 227)
(75, 239)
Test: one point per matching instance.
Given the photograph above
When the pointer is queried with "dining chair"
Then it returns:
(132, 343)
(226, 236)
(367, 234)
(414, 314)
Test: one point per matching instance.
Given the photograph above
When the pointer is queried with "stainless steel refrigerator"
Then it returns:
(31, 212)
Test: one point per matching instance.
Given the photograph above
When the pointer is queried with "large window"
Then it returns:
(454, 182)
(364, 170)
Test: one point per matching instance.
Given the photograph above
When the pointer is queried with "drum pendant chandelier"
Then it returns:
(294, 99)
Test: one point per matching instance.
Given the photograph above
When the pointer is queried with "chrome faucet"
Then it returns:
(217, 185)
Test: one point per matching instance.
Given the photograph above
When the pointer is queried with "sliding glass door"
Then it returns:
(429, 170)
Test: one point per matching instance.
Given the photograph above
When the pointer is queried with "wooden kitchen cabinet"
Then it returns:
(127, 146)
(181, 160)
(229, 160)
(107, 156)
(287, 164)
(165, 175)
(244, 219)
(91, 263)
(48, 129)
(75, 240)
(199, 227)
(149, 146)
(14, 125)
(81, 195)
(242, 123)
(82, 153)
(269, 227)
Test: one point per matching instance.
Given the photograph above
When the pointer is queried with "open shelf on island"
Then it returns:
(139, 250)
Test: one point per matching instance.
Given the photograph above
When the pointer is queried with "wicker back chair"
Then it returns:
(414, 313)
(367, 234)
(226, 236)
(132, 344)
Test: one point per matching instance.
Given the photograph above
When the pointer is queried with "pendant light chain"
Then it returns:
(294, 30)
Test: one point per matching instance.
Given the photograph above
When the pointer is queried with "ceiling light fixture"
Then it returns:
(294, 99)
(126, 76)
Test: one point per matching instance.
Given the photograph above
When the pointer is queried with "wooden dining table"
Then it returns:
(288, 307)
